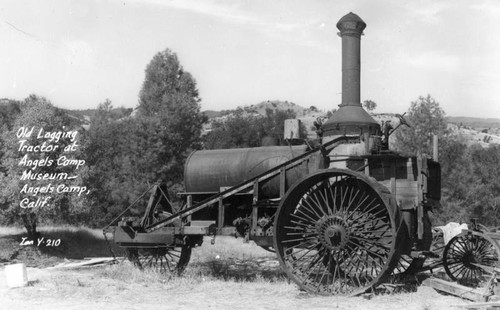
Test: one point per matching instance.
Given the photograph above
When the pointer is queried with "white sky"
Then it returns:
(241, 52)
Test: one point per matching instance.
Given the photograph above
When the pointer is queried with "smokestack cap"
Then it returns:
(351, 25)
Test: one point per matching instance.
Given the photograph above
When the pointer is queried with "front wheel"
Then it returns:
(337, 232)
(171, 260)
(468, 255)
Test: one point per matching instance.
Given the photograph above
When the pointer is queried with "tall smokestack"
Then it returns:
(351, 28)
(351, 118)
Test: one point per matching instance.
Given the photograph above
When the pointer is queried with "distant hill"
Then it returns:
(474, 122)
(81, 114)
(212, 114)
(82, 117)
(276, 105)
(306, 115)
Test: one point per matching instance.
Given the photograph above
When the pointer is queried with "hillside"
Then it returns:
(484, 131)
(83, 116)
(306, 115)
(474, 122)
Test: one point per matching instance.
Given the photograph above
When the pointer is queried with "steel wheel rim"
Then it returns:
(467, 249)
(336, 234)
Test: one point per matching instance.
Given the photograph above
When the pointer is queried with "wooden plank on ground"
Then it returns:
(84, 263)
(480, 305)
(456, 289)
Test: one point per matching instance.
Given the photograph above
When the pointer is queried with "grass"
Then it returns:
(229, 259)
(227, 275)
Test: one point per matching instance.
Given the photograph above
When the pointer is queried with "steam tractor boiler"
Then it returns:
(341, 216)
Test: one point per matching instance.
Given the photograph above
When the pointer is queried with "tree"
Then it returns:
(128, 155)
(236, 131)
(36, 113)
(249, 130)
(166, 83)
(118, 166)
(369, 105)
(426, 119)
(484, 188)
(470, 182)
(456, 179)
(169, 101)
(9, 110)
(273, 124)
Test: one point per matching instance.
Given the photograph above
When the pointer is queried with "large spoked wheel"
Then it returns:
(467, 257)
(171, 260)
(336, 232)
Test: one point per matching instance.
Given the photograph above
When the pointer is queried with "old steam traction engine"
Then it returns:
(341, 217)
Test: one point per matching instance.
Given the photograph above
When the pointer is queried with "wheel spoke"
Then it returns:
(161, 259)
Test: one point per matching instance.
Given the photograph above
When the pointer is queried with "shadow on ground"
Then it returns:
(53, 246)
(233, 269)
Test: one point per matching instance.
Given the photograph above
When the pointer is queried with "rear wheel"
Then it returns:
(336, 232)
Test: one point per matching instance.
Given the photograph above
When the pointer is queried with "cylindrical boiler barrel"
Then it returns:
(208, 171)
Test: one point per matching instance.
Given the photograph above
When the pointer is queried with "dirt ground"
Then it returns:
(89, 288)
